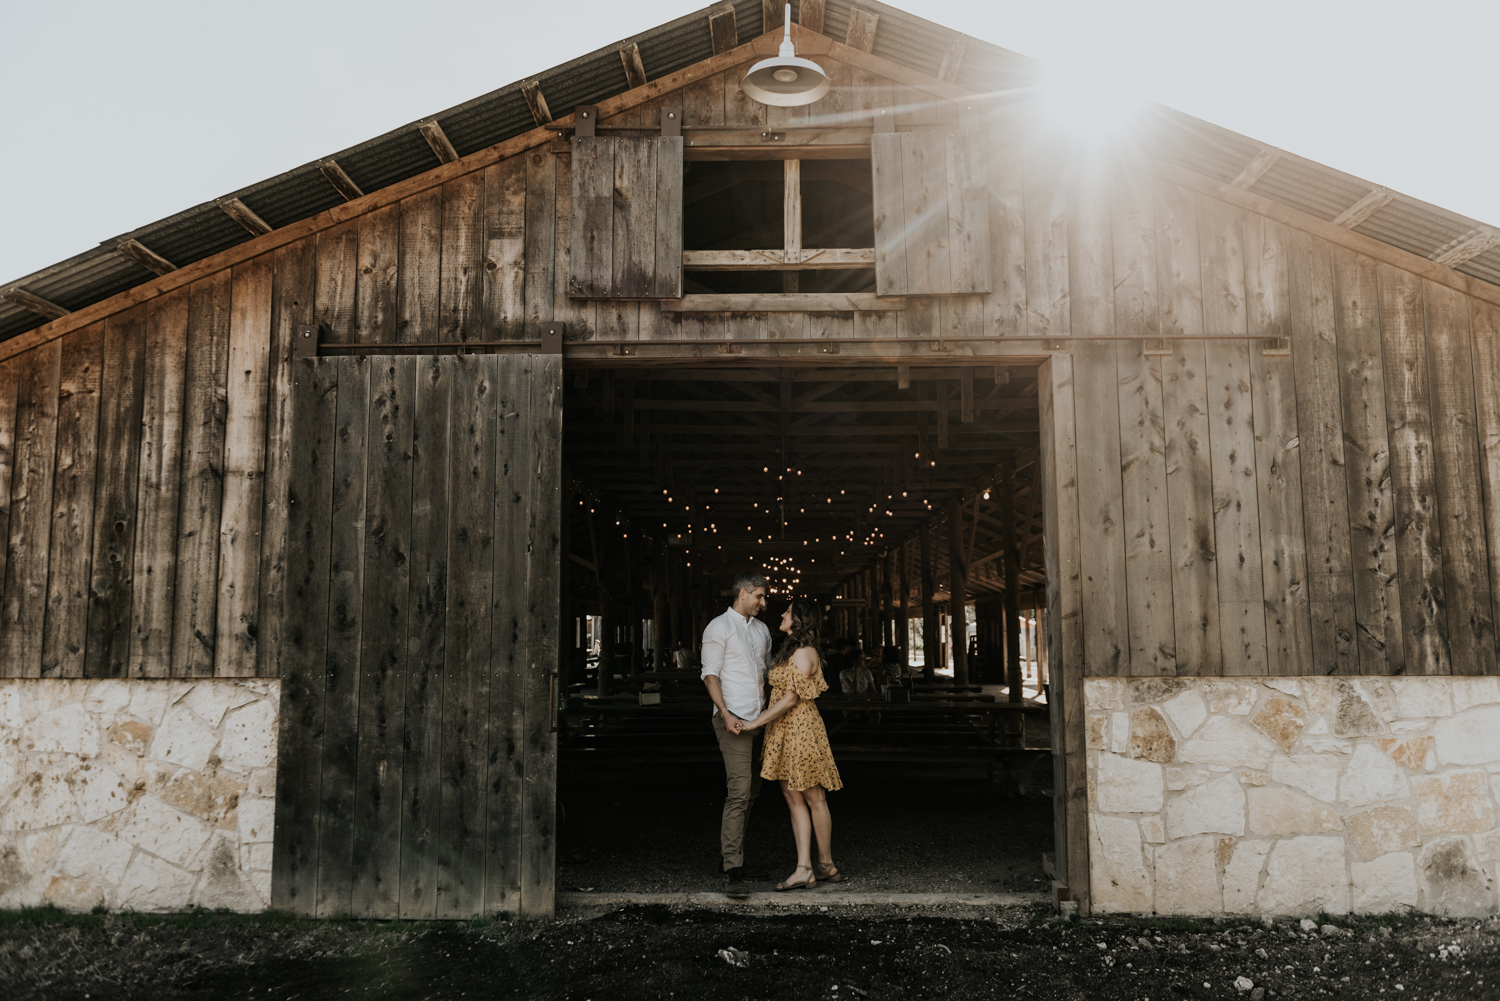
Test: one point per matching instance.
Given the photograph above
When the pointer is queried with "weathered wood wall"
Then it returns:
(1239, 512)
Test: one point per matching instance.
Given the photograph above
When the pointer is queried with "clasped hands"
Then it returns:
(735, 725)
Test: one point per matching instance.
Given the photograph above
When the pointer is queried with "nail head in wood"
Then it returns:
(146, 257)
(34, 303)
(585, 117)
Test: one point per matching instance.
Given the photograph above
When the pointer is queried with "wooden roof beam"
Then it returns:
(953, 61)
(723, 34)
(771, 15)
(861, 33)
(146, 257)
(1467, 247)
(342, 182)
(635, 70)
(1256, 168)
(810, 15)
(242, 214)
(1361, 210)
(34, 303)
(438, 140)
(540, 113)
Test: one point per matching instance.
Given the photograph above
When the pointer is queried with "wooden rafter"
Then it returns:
(1364, 208)
(723, 35)
(438, 140)
(340, 180)
(635, 70)
(34, 303)
(242, 214)
(861, 32)
(146, 257)
(1256, 168)
(540, 113)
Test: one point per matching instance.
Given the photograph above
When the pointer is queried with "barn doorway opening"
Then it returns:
(906, 501)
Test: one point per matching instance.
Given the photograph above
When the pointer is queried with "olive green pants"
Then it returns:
(742, 782)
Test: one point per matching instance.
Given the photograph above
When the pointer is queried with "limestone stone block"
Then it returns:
(1471, 737)
(182, 739)
(262, 784)
(1152, 829)
(1286, 686)
(1118, 880)
(16, 709)
(20, 876)
(68, 729)
(1381, 697)
(1305, 875)
(1327, 745)
(1215, 808)
(1470, 692)
(260, 881)
(1096, 734)
(257, 820)
(211, 699)
(63, 691)
(1453, 882)
(1456, 803)
(70, 894)
(1388, 883)
(1487, 845)
(161, 830)
(256, 857)
(1242, 875)
(1408, 751)
(131, 735)
(44, 800)
(1381, 830)
(153, 885)
(1278, 810)
(206, 795)
(1125, 785)
(1187, 877)
(223, 885)
(90, 854)
(1371, 777)
(1181, 777)
(99, 792)
(1119, 732)
(1235, 698)
(1253, 778)
(250, 737)
(1228, 742)
(1422, 697)
(1187, 712)
(1147, 690)
(148, 703)
(1282, 720)
(1317, 724)
(1353, 716)
(1315, 774)
(1150, 737)
(1103, 694)
(11, 766)
(107, 697)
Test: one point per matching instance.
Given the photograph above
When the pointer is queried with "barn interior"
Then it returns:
(881, 492)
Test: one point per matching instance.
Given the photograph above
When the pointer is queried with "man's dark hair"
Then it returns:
(745, 580)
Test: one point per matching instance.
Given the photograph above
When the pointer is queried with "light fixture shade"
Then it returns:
(785, 81)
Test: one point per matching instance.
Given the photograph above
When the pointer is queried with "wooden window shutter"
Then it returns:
(627, 218)
(931, 213)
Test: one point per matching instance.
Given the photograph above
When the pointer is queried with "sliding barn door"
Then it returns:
(417, 758)
(932, 217)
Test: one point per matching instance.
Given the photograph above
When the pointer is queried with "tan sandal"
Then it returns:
(805, 884)
(828, 873)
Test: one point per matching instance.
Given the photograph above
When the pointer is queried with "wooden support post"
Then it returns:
(958, 629)
(633, 633)
(931, 635)
(1015, 723)
(565, 571)
(659, 630)
(872, 611)
(887, 571)
(903, 620)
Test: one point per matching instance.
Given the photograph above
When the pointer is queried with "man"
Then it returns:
(736, 656)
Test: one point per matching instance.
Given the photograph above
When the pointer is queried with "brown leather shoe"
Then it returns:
(734, 884)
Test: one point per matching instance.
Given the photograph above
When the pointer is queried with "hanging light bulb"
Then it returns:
(785, 81)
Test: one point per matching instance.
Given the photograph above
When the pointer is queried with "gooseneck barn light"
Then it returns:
(785, 81)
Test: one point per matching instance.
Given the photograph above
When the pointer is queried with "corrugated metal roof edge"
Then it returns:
(1205, 133)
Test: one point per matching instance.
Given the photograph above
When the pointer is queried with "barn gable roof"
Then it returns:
(937, 54)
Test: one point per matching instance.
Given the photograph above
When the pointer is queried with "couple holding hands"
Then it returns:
(737, 664)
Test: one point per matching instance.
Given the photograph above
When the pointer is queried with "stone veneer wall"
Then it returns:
(1289, 796)
(141, 794)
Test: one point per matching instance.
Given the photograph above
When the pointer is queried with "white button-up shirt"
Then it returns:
(737, 651)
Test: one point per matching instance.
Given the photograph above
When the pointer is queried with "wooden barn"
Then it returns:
(424, 446)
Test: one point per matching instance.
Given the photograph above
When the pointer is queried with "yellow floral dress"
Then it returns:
(796, 746)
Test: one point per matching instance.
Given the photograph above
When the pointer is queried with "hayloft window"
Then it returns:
(778, 226)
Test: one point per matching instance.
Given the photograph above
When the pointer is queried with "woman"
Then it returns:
(796, 750)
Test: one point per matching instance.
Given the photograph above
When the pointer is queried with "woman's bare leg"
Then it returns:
(822, 822)
(801, 825)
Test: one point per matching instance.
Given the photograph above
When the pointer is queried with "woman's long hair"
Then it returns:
(807, 630)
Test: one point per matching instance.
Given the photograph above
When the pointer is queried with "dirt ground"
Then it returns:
(660, 952)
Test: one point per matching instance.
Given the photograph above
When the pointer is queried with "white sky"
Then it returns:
(118, 114)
